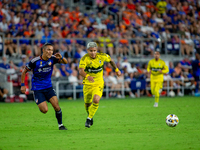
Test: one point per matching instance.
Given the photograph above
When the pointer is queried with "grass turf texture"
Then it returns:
(118, 124)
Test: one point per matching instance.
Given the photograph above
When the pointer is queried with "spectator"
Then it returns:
(4, 64)
(3, 94)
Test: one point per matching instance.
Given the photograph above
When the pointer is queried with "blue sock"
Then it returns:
(59, 116)
(197, 88)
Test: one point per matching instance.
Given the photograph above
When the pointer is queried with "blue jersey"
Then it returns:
(42, 71)
(196, 67)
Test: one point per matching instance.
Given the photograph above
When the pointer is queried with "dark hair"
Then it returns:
(46, 44)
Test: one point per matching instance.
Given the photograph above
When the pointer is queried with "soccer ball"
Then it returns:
(172, 120)
(171, 94)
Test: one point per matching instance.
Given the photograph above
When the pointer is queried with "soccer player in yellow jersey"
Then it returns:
(157, 68)
(91, 68)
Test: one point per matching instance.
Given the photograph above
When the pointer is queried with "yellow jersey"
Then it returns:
(94, 67)
(154, 66)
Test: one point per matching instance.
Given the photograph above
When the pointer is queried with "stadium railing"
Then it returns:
(138, 86)
(164, 45)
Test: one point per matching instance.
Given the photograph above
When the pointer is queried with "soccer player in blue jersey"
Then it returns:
(196, 72)
(42, 67)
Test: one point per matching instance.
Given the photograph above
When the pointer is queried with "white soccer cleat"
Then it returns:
(155, 105)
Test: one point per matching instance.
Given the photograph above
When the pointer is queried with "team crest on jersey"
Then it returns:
(49, 63)
(40, 63)
(100, 61)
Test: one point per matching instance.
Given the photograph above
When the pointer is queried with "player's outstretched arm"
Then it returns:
(118, 72)
(85, 75)
(61, 58)
(23, 88)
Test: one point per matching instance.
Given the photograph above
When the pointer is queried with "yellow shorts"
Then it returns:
(90, 90)
(156, 86)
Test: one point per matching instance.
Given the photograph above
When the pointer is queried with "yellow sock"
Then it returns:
(92, 109)
(156, 99)
(86, 108)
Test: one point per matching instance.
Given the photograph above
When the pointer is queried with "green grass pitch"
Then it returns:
(119, 124)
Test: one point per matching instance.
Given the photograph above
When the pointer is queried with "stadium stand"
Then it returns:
(126, 29)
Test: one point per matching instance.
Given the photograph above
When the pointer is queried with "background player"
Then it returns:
(157, 68)
(196, 72)
(42, 67)
(91, 68)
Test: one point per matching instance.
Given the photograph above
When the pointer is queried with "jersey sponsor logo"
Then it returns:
(156, 69)
(94, 70)
(44, 69)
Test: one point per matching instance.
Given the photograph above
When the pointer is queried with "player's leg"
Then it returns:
(52, 98)
(97, 92)
(158, 88)
(40, 100)
(87, 92)
(153, 85)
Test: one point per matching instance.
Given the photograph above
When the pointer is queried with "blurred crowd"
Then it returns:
(120, 27)
(128, 20)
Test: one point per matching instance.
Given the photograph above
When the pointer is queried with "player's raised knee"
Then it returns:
(96, 99)
(44, 110)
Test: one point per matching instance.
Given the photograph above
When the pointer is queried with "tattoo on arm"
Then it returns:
(113, 64)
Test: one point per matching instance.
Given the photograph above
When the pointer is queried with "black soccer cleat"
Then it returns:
(88, 123)
(91, 122)
(62, 128)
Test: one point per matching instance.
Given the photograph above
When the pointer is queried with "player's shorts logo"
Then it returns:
(36, 100)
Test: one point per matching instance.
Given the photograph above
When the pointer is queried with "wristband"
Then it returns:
(87, 75)
(22, 84)
(116, 70)
(61, 58)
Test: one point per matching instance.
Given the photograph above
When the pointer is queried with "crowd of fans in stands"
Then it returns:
(48, 21)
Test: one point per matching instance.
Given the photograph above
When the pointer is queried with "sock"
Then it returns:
(156, 99)
(92, 110)
(59, 116)
(157, 95)
(86, 108)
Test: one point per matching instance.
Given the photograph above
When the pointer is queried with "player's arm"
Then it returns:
(118, 72)
(165, 69)
(82, 66)
(149, 68)
(61, 58)
(23, 88)
(85, 75)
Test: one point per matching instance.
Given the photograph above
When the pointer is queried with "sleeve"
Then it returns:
(30, 66)
(107, 58)
(82, 63)
(165, 68)
(149, 66)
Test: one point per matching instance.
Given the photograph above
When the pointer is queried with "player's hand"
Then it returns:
(23, 89)
(58, 55)
(118, 73)
(160, 71)
(90, 79)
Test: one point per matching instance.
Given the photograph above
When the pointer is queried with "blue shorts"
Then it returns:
(196, 78)
(43, 95)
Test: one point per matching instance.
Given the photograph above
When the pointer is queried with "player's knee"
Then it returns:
(44, 110)
(96, 100)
